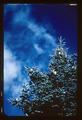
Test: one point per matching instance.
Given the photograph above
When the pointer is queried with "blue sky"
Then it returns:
(30, 35)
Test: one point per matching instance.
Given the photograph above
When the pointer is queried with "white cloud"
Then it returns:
(12, 71)
(11, 68)
(38, 49)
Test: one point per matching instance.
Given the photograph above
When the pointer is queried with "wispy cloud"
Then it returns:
(23, 17)
(33, 37)
(41, 32)
(38, 49)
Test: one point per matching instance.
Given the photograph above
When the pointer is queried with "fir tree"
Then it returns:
(53, 92)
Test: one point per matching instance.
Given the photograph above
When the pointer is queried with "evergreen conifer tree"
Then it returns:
(53, 92)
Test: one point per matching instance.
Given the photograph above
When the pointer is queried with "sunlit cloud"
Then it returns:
(11, 68)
